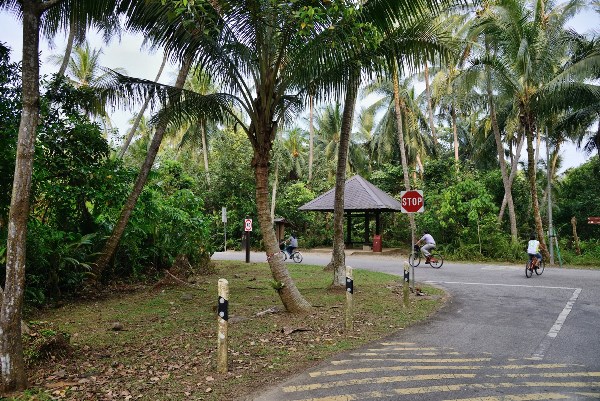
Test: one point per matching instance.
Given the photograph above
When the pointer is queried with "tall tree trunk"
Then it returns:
(338, 257)
(421, 167)
(501, 159)
(205, 150)
(68, 49)
(12, 363)
(140, 114)
(291, 298)
(430, 107)
(398, 111)
(274, 195)
(454, 132)
(533, 185)
(113, 241)
(513, 171)
(311, 134)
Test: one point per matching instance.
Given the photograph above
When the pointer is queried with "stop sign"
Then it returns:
(412, 201)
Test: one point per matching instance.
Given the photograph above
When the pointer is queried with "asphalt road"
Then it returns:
(502, 336)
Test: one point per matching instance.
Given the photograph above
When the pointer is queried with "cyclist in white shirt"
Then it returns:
(533, 248)
(429, 245)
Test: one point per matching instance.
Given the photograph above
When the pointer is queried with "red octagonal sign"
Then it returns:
(412, 201)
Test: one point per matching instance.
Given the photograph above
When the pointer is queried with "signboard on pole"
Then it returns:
(412, 202)
(593, 220)
(224, 215)
(247, 224)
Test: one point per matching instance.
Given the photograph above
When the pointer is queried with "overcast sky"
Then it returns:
(138, 62)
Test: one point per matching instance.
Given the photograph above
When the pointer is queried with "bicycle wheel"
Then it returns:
(414, 259)
(297, 257)
(528, 271)
(540, 268)
(285, 255)
(436, 261)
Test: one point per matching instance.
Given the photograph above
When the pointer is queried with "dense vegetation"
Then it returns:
(500, 77)
(79, 185)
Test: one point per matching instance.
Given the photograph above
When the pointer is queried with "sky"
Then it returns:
(139, 62)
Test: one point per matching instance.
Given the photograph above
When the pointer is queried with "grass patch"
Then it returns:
(166, 349)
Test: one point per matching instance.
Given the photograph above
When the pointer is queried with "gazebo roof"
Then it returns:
(359, 195)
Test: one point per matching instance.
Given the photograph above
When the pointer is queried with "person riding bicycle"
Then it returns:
(292, 244)
(429, 245)
(533, 248)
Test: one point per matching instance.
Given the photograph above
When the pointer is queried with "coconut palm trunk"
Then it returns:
(311, 134)
(501, 159)
(403, 159)
(113, 241)
(338, 257)
(275, 185)
(539, 229)
(68, 49)
(454, 131)
(205, 150)
(138, 117)
(291, 298)
(513, 172)
(430, 107)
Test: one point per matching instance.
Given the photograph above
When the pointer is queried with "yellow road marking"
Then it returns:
(593, 395)
(403, 349)
(392, 369)
(557, 374)
(396, 343)
(378, 380)
(418, 360)
(522, 397)
(424, 353)
(447, 388)
(423, 367)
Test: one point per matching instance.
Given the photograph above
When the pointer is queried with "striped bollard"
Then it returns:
(349, 301)
(223, 316)
(405, 287)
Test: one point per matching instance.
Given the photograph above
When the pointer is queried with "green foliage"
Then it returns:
(578, 194)
(10, 113)
(168, 221)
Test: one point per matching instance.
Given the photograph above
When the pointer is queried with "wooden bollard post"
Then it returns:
(223, 316)
(405, 287)
(349, 301)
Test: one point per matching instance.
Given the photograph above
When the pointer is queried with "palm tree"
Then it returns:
(328, 135)
(530, 45)
(289, 154)
(197, 130)
(32, 13)
(140, 114)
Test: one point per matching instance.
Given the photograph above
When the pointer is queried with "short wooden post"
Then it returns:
(223, 316)
(349, 301)
(405, 287)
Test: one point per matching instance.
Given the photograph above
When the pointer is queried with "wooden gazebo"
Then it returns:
(361, 200)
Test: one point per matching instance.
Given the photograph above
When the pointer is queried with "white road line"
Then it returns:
(539, 353)
(502, 285)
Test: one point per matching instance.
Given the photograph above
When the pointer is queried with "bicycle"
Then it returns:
(414, 259)
(534, 265)
(296, 256)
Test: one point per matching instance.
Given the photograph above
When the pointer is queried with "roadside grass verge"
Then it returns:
(165, 344)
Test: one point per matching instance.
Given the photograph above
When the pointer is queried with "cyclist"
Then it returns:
(292, 244)
(429, 245)
(533, 248)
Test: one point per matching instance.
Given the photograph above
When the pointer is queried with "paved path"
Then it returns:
(501, 337)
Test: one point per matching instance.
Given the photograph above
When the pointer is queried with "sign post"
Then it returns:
(593, 220)
(224, 220)
(247, 231)
(412, 202)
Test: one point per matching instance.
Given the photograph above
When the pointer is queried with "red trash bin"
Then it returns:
(377, 243)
